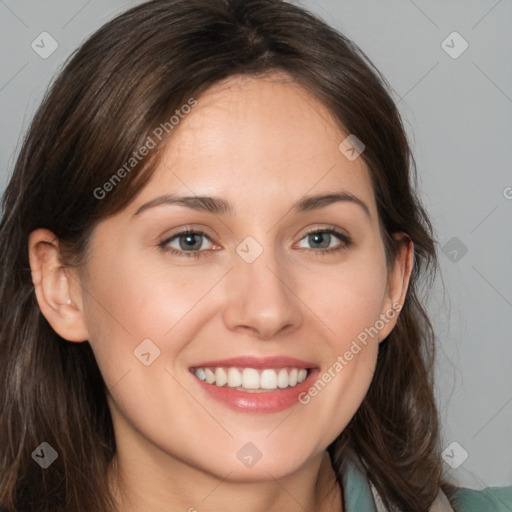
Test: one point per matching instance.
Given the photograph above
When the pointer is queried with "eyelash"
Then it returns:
(346, 242)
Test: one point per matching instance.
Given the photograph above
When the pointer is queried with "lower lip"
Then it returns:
(262, 402)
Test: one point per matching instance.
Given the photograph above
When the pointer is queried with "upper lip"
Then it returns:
(257, 362)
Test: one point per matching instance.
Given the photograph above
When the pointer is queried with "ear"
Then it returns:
(57, 288)
(398, 283)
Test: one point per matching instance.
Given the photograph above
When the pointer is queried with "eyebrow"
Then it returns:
(220, 206)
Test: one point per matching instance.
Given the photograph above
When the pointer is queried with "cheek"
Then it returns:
(145, 300)
(129, 301)
(348, 298)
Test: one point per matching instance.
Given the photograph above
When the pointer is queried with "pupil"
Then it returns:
(318, 237)
(190, 241)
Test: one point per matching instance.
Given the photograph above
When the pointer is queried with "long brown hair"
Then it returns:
(126, 80)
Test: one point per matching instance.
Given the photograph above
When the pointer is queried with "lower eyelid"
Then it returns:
(344, 241)
(165, 243)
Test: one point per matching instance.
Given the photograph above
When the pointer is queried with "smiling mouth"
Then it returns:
(252, 380)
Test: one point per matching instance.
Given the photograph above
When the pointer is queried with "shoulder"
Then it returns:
(491, 499)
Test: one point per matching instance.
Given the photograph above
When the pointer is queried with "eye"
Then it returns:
(189, 241)
(322, 239)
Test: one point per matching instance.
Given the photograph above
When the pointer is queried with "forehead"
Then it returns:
(253, 139)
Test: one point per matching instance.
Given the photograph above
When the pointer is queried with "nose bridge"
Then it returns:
(259, 295)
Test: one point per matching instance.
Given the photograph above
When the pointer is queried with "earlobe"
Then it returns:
(57, 293)
(403, 268)
(398, 283)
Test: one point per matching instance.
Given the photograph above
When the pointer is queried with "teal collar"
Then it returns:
(356, 490)
(359, 495)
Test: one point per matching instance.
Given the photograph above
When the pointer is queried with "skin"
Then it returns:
(261, 144)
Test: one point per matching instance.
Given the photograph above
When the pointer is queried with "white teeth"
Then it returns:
(268, 379)
(251, 378)
(221, 377)
(210, 376)
(282, 378)
(234, 378)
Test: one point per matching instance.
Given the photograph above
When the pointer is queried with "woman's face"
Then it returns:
(257, 288)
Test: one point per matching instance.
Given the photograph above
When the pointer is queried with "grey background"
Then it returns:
(458, 114)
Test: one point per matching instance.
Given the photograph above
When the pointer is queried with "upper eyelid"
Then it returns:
(342, 237)
(199, 231)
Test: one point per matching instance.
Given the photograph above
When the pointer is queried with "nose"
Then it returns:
(260, 297)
